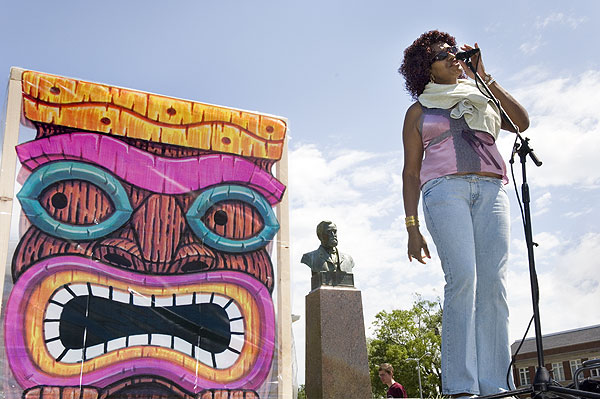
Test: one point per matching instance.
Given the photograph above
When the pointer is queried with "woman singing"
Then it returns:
(450, 156)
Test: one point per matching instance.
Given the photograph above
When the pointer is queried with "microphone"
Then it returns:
(464, 55)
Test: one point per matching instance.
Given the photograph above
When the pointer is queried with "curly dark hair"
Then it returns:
(416, 66)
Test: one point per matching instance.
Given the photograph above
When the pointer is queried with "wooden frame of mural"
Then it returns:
(153, 250)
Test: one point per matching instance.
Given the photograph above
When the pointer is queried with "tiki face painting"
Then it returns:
(144, 264)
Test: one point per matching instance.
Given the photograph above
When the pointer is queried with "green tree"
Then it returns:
(302, 391)
(401, 335)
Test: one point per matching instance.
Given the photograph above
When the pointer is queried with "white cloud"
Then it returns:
(565, 134)
(568, 282)
(316, 180)
(536, 38)
(573, 215)
(532, 44)
(542, 204)
(493, 27)
(565, 128)
(559, 18)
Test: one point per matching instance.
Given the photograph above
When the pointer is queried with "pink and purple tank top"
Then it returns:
(452, 147)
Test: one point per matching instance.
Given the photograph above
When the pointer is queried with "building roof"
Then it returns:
(560, 339)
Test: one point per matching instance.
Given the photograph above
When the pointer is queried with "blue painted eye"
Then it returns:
(74, 200)
(232, 218)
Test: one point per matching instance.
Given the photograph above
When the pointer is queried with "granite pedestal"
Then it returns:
(336, 348)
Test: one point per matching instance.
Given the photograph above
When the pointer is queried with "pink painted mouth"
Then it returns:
(248, 360)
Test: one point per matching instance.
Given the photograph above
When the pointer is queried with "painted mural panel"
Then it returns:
(144, 265)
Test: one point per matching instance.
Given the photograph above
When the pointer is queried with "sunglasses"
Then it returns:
(442, 55)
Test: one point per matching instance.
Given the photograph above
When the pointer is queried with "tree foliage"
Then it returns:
(400, 335)
(302, 391)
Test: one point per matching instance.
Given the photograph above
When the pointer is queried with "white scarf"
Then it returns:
(465, 99)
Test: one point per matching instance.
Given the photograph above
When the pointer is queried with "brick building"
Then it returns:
(563, 354)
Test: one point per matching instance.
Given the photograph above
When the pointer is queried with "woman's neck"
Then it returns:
(447, 82)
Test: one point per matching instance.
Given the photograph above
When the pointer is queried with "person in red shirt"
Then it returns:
(386, 374)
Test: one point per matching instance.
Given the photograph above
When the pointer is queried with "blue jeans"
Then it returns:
(468, 219)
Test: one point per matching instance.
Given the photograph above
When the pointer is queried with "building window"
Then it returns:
(575, 364)
(558, 372)
(524, 376)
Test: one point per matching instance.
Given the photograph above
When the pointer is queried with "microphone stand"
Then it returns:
(542, 386)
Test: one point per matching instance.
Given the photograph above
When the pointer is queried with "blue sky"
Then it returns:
(330, 68)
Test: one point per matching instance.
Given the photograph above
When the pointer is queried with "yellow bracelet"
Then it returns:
(411, 221)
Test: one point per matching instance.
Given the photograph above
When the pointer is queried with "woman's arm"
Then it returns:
(513, 108)
(411, 182)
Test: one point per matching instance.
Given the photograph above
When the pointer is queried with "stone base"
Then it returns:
(336, 348)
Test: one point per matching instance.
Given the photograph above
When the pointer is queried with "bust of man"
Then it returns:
(328, 265)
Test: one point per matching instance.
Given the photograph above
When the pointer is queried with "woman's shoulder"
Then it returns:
(415, 111)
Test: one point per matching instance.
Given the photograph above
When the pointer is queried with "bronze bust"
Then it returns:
(328, 265)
